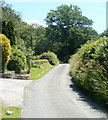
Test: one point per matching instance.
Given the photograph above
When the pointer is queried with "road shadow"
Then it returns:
(84, 98)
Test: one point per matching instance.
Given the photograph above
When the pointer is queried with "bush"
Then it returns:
(89, 69)
(38, 63)
(18, 61)
(28, 53)
(51, 57)
(6, 50)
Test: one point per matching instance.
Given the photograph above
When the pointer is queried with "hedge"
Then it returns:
(51, 57)
(89, 69)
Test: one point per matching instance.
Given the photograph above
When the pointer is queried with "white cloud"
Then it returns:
(30, 22)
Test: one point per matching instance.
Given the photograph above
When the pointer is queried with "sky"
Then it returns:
(36, 10)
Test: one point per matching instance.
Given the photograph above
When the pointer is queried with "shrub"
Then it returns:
(28, 53)
(6, 50)
(38, 63)
(89, 69)
(18, 61)
(51, 57)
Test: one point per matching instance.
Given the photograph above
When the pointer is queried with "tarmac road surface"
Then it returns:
(55, 96)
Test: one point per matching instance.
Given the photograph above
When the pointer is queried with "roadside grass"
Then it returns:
(16, 112)
(37, 73)
(0, 113)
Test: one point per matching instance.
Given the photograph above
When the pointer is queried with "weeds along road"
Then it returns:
(55, 96)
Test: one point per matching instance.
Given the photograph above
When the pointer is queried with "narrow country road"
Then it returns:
(55, 96)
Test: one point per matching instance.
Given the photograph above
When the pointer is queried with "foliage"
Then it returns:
(28, 53)
(9, 20)
(17, 30)
(8, 30)
(18, 61)
(105, 33)
(32, 36)
(27, 34)
(51, 57)
(38, 63)
(6, 50)
(21, 35)
(89, 69)
(42, 44)
(67, 30)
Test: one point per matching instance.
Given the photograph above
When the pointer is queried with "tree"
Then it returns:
(6, 50)
(67, 30)
(8, 30)
(28, 34)
(9, 22)
(41, 42)
(105, 33)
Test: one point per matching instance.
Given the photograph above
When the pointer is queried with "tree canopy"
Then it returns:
(67, 30)
(105, 33)
(9, 20)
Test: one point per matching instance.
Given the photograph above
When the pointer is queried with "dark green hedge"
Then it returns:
(89, 69)
(51, 57)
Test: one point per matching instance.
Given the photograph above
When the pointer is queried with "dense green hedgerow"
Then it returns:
(18, 61)
(89, 69)
(51, 57)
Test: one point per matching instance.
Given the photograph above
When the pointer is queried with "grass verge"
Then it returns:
(16, 112)
(37, 73)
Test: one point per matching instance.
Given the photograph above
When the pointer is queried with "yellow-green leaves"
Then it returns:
(6, 49)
